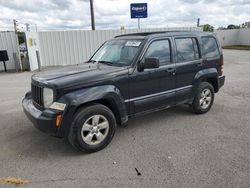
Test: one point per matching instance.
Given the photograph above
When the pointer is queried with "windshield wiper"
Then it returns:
(104, 62)
(91, 61)
(107, 63)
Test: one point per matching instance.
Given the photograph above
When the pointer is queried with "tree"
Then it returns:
(221, 28)
(231, 26)
(208, 28)
(244, 25)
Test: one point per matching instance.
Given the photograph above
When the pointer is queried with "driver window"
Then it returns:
(160, 49)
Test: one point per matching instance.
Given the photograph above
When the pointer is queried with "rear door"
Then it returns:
(188, 63)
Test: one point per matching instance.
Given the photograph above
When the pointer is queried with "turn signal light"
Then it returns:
(221, 66)
(222, 61)
(58, 120)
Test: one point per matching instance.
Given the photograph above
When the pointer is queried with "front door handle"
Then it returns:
(170, 70)
(199, 64)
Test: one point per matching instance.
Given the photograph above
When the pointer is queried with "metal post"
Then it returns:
(27, 27)
(38, 60)
(139, 27)
(92, 15)
(17, 43)
(5, 70)
(198, 22)
(17, 65)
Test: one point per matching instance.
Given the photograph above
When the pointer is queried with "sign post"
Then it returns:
(138, 10)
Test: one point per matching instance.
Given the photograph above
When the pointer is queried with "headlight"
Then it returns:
(48, 97)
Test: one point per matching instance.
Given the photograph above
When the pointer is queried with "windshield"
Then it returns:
(117, 52)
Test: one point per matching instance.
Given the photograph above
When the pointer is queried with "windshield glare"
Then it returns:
(117, 52)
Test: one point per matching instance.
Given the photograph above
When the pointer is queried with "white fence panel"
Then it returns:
(245, 36)
(72, 47)
(228, 37)
(234, 36)
(8, 42)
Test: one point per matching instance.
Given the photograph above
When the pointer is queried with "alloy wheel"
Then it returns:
(95, 129)
(205, 98)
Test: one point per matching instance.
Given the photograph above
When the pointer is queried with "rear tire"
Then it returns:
(92, 129)
(204, 98)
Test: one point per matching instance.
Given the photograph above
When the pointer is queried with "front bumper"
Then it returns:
(43, 120)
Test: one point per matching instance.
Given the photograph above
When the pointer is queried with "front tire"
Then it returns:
(204, 98)
(93, 128)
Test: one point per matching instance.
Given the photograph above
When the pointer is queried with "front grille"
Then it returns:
(37, 94)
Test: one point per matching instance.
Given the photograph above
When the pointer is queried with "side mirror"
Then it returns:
(149, 63)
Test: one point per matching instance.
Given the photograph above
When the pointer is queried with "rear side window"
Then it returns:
(160, 49)
(210, 47)
(187, 49)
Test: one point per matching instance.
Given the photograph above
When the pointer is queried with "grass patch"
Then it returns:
(15, 181)
(237, 47)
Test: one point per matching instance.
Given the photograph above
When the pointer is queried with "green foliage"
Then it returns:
(237, 47)
(208, 28)
(231, 26)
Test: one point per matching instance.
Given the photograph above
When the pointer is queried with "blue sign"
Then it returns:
(139, 10)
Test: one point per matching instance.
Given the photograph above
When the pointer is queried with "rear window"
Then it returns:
(187, 49)
(210, 47)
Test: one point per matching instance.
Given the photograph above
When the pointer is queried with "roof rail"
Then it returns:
(146, 33)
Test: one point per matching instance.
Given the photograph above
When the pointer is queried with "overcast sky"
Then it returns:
(111, 14)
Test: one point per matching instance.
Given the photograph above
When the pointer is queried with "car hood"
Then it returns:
(78, 75)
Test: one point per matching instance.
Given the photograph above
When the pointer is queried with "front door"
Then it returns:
(154, 88)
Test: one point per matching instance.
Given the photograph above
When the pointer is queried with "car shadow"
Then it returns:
(40, 145)
(170, 114)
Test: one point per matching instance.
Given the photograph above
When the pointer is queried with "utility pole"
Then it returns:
(17, 43)
(92, 15)
(198, 22)
(27, 27)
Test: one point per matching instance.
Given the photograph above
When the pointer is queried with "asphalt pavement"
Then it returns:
(170, 148)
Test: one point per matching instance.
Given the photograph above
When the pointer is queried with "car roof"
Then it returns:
(149, 35)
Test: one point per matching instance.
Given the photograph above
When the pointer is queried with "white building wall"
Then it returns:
(8, 42)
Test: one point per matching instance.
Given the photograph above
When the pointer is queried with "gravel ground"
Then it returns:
(171, 148)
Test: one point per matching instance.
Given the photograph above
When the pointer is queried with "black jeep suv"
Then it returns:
(130, 75)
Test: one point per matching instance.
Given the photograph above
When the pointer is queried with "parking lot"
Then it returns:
(171, 148)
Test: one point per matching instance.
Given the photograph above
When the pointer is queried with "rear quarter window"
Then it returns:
(210, 46)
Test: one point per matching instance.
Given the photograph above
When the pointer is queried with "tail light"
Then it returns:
(221, 65)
